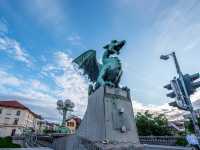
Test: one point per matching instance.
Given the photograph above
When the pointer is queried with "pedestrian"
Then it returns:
(193, 141)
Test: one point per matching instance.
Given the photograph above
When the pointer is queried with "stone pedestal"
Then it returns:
(109, 117)
(107, 124)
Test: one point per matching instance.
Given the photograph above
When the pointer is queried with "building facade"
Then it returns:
(72, 123)
(15, 117)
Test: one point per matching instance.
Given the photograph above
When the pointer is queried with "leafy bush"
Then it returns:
(189, 125)
(181, 142)
(46, 131)
(7, 143)
(148, 124)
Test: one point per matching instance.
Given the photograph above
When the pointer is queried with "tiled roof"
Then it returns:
(15, 104)
(76, 118)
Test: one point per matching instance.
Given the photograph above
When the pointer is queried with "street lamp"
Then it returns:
(64, 107)
(164, 57)
(173, 55)
(182, 89)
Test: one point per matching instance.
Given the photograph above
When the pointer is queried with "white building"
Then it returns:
(14, 117)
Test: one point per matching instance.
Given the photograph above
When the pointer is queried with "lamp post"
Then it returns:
(185, 93)
(64, 107)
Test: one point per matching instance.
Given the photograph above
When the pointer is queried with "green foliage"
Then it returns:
(46, 131)
(62, 129)
(181, 142)
(180, 133)
(7, 143)
(148, 124)
(189, 126)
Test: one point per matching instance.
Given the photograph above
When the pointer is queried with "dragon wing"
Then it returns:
(88, 62)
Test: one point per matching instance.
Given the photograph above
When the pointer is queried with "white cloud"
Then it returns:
(12, 47)
(69, 84)
(139, 107)
(30, 88)
(69, 81)
(8, 79)
(76, 40)
(195, 96)
(63, 60)
(177, 28)
(39, 98)
(38, 85)
(48, 13)
(170, 112)
(31, 91)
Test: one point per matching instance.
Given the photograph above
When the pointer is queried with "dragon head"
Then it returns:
(115, 46)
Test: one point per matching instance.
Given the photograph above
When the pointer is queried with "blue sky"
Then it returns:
(39, 39)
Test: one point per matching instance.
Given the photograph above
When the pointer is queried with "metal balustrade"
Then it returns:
(160, 140)
(33, 140)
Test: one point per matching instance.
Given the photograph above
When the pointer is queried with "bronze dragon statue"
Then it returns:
(109, 72)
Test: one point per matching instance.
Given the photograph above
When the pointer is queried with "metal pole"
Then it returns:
(178, 69)
(64, 116)
(187, 97)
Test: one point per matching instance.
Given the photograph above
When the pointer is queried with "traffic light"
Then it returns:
(191, 86)
(177, 93)
(172, 94)
(173, 104)
(174, 86)
(179, 104)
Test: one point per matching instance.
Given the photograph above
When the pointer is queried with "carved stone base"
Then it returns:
(108, 123)
(109, 117)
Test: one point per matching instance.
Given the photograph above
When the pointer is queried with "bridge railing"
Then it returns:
(160, 140)
(151, 140)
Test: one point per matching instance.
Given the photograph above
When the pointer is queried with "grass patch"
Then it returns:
(7, 143)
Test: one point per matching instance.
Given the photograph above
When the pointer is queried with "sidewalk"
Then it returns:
(36, 148)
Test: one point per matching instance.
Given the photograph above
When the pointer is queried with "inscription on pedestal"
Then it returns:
(117, 92)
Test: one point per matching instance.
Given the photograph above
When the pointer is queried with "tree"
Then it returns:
(189, 126)
(148, 124)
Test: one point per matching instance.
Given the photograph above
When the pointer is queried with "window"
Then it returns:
(13, 132)
(70, 124)
(18, 113)
(1, 110)
(7, 120)
(15, 121)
